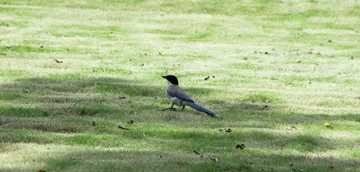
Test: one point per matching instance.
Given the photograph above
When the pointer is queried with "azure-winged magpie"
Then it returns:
(180, 98)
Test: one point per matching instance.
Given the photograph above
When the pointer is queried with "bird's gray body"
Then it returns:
(173, 91)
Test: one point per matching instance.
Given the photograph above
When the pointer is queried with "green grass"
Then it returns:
(278, 71)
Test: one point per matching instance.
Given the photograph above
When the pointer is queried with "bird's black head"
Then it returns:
(172, 79)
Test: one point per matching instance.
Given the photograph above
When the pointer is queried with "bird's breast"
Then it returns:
(177, 101)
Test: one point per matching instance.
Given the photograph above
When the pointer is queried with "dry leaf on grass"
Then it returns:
(58, 61)
(123, 128)
(242, 146)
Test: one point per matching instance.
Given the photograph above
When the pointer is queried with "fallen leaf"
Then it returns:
(329, 40)
(328, 124)
(214, 159)
(318, 53)
(207, 78)
(242, 146)
(291, 128)
(123, 128)
(229, 130)
(58, 61)
(121, 97)
(197, 153)
(131, 122)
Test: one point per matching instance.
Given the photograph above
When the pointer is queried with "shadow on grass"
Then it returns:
(53, 100)
(160, 161)
(72, 88)
(123, 160)
(165, 137)
(76, 84)
(73, 95)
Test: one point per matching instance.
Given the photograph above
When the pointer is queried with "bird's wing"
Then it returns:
(179, 93)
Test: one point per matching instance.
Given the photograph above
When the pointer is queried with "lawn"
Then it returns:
(283, 75)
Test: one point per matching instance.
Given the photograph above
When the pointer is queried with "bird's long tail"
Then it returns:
(202, 109)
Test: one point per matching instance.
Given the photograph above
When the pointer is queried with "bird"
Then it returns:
(180, 98)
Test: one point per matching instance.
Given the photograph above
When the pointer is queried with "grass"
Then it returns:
(278, 71)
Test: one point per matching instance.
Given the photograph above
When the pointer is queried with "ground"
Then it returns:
(282, 74)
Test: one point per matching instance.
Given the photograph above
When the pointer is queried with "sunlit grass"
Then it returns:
(278, 70)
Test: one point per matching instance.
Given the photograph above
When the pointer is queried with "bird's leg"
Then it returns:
(183, 108)
(168, 107)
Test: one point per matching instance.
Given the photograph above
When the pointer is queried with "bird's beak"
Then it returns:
(164, 77)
